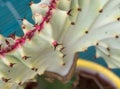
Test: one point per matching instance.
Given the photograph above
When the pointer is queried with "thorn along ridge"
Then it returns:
(69, 12)
(20, 83)
(116, 36)
(118, 18)
(72, 23)
(34, 69)
(100, 11)
(26, 57)
(7, 42)
(5, 79)
(12, 36)
(0, 46)
(64, 64)
(108, 48)
(97, 44)
(86, 32)
(64, 55)
(79, 9)
(12, 64)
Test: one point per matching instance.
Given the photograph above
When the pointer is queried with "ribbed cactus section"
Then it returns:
(96, 25)
(40, 49)
(61, 29)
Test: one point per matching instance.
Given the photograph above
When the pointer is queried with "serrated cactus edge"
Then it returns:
(62, 29)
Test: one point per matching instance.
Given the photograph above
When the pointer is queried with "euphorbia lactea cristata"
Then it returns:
(62, 28)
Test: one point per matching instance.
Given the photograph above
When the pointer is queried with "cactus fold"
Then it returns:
(62, 28)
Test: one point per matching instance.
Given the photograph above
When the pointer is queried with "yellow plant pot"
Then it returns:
(91, 66)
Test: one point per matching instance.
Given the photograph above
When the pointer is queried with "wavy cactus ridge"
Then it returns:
(13, 59)
(19, 57)
(31, 32)
(101, 24)
(61, 30)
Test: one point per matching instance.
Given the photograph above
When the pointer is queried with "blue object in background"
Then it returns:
(90, 54)
(12, 10)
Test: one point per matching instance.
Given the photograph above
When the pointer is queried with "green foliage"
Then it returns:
(56, 84)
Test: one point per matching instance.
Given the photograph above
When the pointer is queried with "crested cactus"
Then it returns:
(62, 28)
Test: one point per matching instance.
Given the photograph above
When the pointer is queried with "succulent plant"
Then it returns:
(62, 28)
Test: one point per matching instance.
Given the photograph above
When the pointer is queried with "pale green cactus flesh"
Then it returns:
(4, 85)
(62, 28)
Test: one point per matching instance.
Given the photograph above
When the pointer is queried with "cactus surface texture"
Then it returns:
(62, 28)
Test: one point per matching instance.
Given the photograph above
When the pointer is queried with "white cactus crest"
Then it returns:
(62, 28)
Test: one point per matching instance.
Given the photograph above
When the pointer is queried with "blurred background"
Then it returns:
(13, 10)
